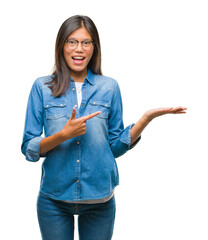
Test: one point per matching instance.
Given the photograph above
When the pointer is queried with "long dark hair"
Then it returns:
(61, 74)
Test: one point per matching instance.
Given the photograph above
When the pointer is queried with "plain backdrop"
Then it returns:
(158, 53)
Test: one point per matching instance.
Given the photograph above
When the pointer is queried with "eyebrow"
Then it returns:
(86, 39)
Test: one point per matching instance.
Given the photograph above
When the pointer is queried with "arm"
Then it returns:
(119, 137)
(137, 129)
(33, 124)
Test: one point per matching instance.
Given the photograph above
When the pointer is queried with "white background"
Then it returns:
(158, 52)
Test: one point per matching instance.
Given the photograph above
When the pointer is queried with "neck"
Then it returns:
(79, 76)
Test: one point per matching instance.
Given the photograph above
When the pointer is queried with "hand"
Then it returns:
(76, 126)
(151, 114)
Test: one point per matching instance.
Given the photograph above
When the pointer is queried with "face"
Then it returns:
(77, 59)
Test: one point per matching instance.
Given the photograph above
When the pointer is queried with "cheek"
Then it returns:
(67, 55)
(90, 56)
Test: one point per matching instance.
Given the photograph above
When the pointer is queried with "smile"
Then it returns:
(78, 60)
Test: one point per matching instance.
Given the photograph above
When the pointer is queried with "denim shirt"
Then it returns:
(83, 167)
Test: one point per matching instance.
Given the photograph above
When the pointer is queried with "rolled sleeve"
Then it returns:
(33, 150)
(125, 137)
(122, 143)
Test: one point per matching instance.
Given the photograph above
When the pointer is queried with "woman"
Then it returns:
(81, 112)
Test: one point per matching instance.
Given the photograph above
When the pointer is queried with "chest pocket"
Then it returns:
(55, 110)
(100, 105)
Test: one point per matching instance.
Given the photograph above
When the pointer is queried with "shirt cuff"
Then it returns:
(33, 150)
(125, 137)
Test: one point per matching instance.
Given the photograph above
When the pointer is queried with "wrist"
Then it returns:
(146, 119)
(63, 135)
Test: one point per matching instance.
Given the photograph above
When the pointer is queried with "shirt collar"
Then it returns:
(90, 77)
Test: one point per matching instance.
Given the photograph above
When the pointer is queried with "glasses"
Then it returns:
(86, 44)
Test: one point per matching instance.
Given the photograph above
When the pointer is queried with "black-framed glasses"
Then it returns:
(86, 44)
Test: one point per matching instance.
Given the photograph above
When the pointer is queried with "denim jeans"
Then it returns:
(56, 219)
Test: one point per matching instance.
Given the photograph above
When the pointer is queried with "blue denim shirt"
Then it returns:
(83, 167)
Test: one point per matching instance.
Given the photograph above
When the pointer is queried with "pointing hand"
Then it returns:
(76, 126)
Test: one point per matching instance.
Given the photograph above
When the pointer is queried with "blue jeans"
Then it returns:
(56, 219)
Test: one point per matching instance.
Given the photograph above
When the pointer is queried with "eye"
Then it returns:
(86, 43)
(72, 42)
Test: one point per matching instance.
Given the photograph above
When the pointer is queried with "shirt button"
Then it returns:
(61, 105)
(82, 104)
(77, 160)
(93, 102)
(78, 180)
(75, 105)
(73, 89)
(47, 106)
(78, 142)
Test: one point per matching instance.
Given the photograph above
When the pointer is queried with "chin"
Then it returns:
(77, 69)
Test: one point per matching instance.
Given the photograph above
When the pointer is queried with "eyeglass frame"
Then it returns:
(91, 41)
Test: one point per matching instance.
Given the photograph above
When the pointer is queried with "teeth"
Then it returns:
(78, 57)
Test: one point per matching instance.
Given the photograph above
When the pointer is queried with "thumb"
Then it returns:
(73, 116)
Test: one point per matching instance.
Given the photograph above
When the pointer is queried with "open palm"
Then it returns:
(153, 113)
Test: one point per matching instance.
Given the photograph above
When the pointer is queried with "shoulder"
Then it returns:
(40, 88)
(41, 82)
(106, 82)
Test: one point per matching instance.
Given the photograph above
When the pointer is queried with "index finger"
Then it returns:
(91, 115)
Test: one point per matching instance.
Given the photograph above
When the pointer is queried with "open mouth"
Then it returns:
(78, 60)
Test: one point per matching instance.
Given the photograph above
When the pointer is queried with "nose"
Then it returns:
(79, 47)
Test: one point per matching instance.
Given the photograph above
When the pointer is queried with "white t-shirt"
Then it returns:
(79, 92)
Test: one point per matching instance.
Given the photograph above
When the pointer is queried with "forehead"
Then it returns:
(80, 34)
